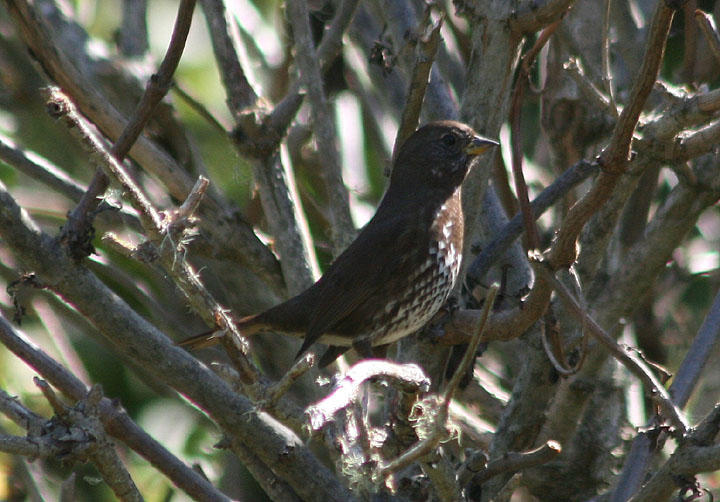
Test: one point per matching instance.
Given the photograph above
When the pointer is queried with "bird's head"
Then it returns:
(438, 154)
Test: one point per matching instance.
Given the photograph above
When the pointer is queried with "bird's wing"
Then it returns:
(362, 271)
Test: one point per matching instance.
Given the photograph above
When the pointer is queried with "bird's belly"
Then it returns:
(427, 290)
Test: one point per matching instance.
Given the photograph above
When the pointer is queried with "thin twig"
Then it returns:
(697, 357)
(588, 87)
(80, 218)
(471, 351)
(342, 227)
(11, 407)
(159, 83)
(521, 189)
(690, 41)
(709, 30)
(606, 70)
(82, 421)
(408, 377)
(684, 382)
(154, 225)
(626, 356)
(512, 462)
(616, 155)
(225, 39)
(425, 56)
(328, 49)
(257, 135)
(200, 109)
(132, 39)
(276, 391)
(514, 228)
(39, 168)
(436, 420)
(134, 338)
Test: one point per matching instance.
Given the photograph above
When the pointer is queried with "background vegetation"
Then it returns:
(291, 111)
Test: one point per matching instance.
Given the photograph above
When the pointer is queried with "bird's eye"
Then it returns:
(449, 139)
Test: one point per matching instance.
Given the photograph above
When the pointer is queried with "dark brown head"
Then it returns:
(437, 155)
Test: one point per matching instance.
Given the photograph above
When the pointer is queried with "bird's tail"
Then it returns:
(246, 325)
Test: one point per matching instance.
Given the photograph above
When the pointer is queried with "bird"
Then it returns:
(402, 266)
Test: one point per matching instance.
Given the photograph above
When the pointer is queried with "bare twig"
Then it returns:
(707, 26)
(501, 242)
(39, 168)
(643, 447)
(85, 436)
(342, 228)
(683, 464)
(12, 408)
(625, 355)
(276, 391)
(80, 218)
(241, 245)
(588, 87)
(471, 351)
(116, 421)
(562, 367)
(537, 15)
(615, 156)
(513, 461)
(427, 47)
(155, 228)
(199, 108)
(257, 135)
(521, 189)
(32, 447)
(690, 41)
(133, 34)
(408, 377)
(224, 37)
(434, 422)
(135, 338)
(686, 378)
(328, 49)
(606, 70)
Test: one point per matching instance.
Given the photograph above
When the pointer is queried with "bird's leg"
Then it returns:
(435, 328)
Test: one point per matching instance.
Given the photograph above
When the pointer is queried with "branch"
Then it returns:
(132, 38)
(431, 414)
(114, 418)
(241, 246)
(707, 26)
(625, 355)
(697, 357)
(408, 377)
(684, 382)
(257, 137)
(157, 228)
(514, 228)
(84, 436)
(426, 49)
(537, 15)
(513, 462)
(36, 35)
(79, 220)
(133, 337)
(342, 228)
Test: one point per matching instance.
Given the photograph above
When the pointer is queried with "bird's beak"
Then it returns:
(479, 145)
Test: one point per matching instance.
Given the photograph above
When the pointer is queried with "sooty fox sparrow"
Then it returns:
(402, 266)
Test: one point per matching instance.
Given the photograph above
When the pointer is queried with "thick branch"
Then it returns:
(275, 445)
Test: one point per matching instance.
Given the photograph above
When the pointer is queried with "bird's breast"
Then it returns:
(431, 282)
